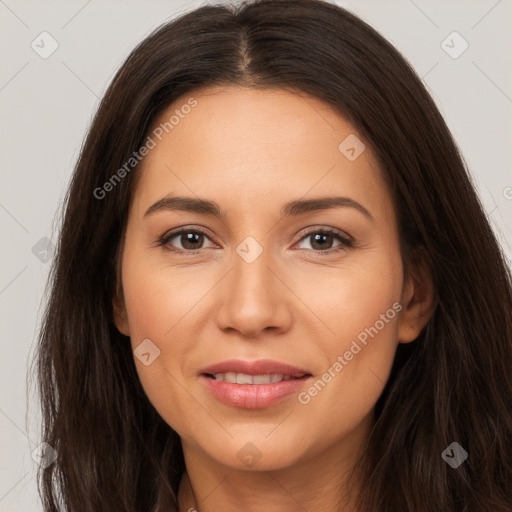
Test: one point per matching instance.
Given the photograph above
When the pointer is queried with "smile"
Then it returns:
(253, 384)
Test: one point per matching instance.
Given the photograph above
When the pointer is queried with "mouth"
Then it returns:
(253, 385)
(244, 378)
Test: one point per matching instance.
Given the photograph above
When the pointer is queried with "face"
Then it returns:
(265, 330)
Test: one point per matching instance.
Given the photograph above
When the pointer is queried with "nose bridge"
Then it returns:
(251, 267)
(253, 297)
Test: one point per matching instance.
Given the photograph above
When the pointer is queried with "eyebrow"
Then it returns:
(293, 208)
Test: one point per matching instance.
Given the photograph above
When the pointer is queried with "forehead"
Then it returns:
(241, 143)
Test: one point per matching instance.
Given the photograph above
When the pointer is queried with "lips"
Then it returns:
(253, 384)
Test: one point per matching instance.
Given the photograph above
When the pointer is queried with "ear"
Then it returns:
(120, 313)
(418, 301)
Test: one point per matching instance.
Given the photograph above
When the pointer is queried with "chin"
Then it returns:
(258, 452)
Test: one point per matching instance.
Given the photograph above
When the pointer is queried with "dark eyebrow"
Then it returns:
(186, 204)
(298, 207)
(322, 203)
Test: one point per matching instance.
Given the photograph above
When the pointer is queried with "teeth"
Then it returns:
(229, 377)
(242, 378)
(261, 379)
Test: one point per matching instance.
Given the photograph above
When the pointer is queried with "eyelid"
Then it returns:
(316, 228)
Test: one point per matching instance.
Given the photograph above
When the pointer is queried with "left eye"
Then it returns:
(323, 239)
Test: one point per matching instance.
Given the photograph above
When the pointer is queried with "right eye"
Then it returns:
(190, 240)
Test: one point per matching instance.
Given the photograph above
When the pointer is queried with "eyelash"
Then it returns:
(346, 243)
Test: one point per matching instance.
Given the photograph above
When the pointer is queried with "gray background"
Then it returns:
(47, 105)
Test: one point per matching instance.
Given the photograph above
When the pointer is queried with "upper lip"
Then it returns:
(259, 367)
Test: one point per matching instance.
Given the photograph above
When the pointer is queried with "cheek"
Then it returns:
(362, 310)
(352, 297)
(160, 301)
(165, 307)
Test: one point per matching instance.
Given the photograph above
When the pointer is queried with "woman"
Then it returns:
(275, 286)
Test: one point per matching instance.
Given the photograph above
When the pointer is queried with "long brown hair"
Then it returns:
(453, 384)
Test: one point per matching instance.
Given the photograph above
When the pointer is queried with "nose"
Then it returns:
(253, 298)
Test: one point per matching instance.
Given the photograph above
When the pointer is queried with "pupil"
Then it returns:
(318, 237)
(190, 240)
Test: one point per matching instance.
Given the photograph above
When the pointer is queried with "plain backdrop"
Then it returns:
(47, 105)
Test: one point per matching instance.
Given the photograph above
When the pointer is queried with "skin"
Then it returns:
(251, 151)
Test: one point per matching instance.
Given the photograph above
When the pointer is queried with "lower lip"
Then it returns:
(253, 396)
